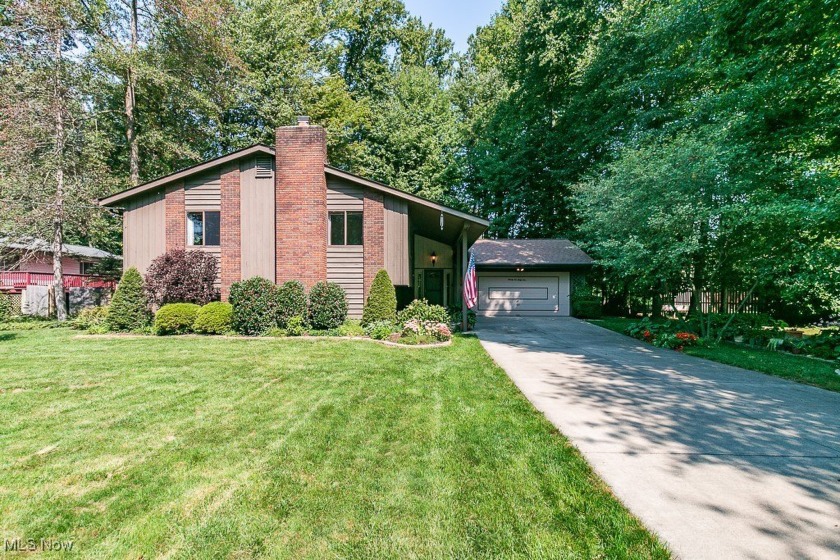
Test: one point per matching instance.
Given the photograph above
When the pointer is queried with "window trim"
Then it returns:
(329, 227)
(203, 212)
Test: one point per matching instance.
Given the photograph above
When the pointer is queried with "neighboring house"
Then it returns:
(26, 268)
(284, 213)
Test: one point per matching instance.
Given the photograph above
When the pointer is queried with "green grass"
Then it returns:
(147, 447)
(801, 369)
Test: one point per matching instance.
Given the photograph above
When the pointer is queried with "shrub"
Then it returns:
(351, 327)
(380, 330)
(327, 306)
(438, 331)
(276, 332)
(587, 306)
(6, 308)
(255, 304)
(182, 277)
(129, 309)
(91, 318)
(421, 310)
(214, 318)
(291, 301)
(176, 318)
(296, 326)
(382, 300)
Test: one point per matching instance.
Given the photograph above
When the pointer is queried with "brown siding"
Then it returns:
(144, 230)
(345, 267)
(301, 204)
(176, 220)
(396, 241)
(203, 192)
(342, 195)
(257, 223)
(231, 245)
(374, 237)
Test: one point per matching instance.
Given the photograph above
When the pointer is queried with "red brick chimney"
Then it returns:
(300, 192)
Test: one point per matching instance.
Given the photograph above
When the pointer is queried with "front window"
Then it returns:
(203, 229)
(346, 228)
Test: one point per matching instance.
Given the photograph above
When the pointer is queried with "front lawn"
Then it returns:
(144, 447)
(803, 369)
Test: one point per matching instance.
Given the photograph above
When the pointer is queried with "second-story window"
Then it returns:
(203, 229)
(346, 228)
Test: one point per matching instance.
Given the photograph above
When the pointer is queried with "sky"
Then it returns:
(458, 18)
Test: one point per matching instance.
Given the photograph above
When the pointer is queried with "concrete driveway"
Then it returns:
(720, 462)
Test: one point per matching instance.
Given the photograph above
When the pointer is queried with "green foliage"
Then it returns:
(296, 326)
(129, 309)
(291, 302)
(176, 318)
(421, 310)
(382, 300)
(351, 327)
(586, 305)
(381, 330)
(255, 306)
(91, 318)
(276, 332)
(6, 308)
(327, 305)
(214, 318)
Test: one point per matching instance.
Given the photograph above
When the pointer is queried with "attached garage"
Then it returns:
(528, 277)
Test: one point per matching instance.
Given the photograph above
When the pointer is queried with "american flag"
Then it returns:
(470, 287)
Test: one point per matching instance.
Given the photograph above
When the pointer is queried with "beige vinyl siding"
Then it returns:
(396, 241)
(345, 267)
(203, 192)
(346, 264)
(144, 230)
(257, 222)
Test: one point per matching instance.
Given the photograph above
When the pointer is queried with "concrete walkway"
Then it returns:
(720, 462)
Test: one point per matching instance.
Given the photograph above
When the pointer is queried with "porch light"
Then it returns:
(434, 258)
(441, 221)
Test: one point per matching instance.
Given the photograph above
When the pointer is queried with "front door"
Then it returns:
(433, 280)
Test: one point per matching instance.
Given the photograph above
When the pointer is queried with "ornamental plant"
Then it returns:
(421, 310)
(255, 303)
(214, 318)
(181, 276)
(382, 300)
(327, 306)
(176, 318)
(129, 309)
(291, 302)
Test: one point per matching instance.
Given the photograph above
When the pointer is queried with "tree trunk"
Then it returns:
(58, 210)
(130, 119)
(656, 310)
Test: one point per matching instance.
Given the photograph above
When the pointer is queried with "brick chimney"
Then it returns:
(300, 191)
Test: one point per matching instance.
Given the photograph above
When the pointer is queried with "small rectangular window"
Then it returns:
(354, 228)
(203, 229)
(346, 228)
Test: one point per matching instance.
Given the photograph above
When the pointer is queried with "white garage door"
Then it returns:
(533, 293)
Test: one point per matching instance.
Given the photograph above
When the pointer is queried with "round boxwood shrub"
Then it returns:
(327, 306)
(214, 318)
(255, 304)
(421, 310)
(291, 302)
(382, 300)
(176, 318)
(129, 309)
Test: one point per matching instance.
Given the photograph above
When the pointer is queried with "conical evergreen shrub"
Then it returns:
(382, 300)
(129, 309)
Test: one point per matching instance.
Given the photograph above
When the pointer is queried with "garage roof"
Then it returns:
(537, 253)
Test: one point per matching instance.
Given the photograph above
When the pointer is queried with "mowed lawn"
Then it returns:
(144, 447)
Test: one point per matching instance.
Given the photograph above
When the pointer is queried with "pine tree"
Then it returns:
(129, 308)
(382, 300)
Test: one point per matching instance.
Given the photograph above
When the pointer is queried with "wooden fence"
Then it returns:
(713, 302)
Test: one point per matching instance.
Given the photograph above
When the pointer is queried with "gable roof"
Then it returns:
(42, 246)
(544, 253)
(328, 169)
(184, 173)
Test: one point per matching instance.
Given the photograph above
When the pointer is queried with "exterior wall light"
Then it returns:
(434, 258)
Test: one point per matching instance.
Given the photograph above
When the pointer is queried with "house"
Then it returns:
(26, 273)
(284, 213)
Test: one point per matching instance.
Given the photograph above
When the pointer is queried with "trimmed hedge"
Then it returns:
(291, 302)
(129, 309)
(327, 306)
(176, 318)
(214, 318)
(255, 305)
(421, 310)
(382, 300)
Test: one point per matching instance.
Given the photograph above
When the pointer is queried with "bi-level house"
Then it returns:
(284, 213)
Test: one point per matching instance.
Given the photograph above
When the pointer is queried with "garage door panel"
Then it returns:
(513, 294)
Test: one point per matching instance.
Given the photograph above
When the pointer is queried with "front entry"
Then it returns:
(433, 283)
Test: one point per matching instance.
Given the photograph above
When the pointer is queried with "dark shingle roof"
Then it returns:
(529, 252)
